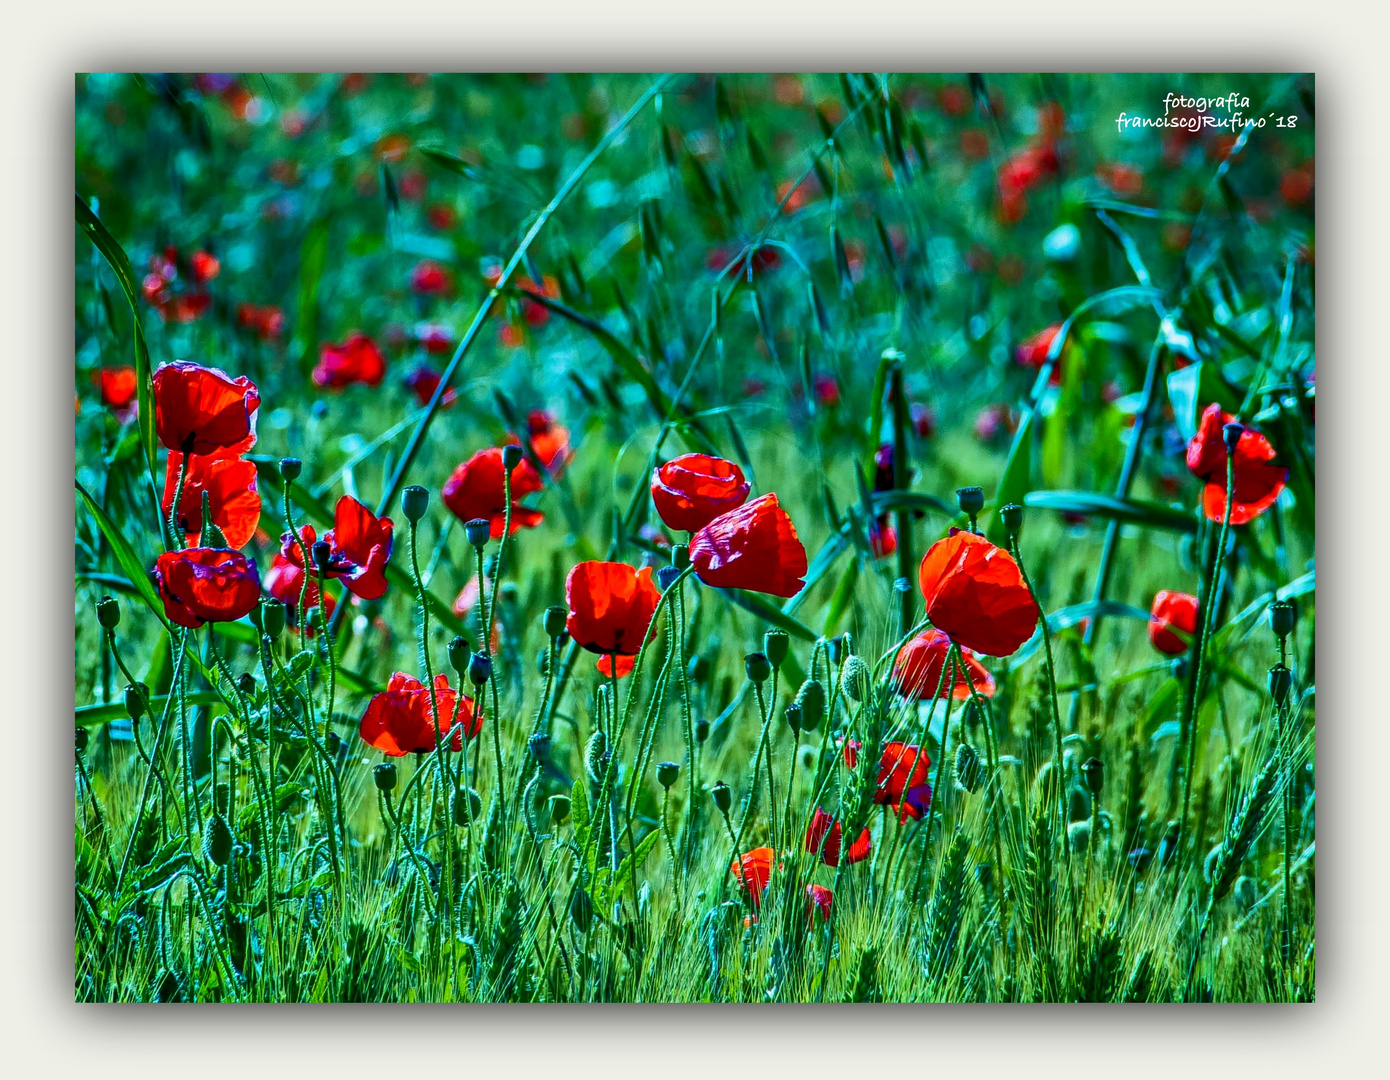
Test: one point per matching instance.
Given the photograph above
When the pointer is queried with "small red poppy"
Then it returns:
(359, 547)
(823, 838)
(752, 547)
(423, 381)
(475, 490)
(285, 582)
(205, 266)
(819, 899)
(434, 337)
(201, 410)
(1172, 610)
(753, 870)
(266, 322)
(400, 719)
(118, 387)
(1258, 481)
(917, 671)
(355, 360)
(610, 606)
(902, 780)
(429, 278)
(233, 501)
(976, 595)
(625, 666)
(201, 585)
(1032, 352)
(692, 490)
(883, 538)
(549, 439)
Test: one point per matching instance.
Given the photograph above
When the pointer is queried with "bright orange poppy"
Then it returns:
(752, 547)
(610, 606)
(917, 671)
(975, 594)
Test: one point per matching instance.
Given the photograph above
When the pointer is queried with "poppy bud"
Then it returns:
(776, 645)
(666, 577)
(384, 776)
(272, 618)
(217, 841)
(1079, 835)
(108, 612)
(723, 797)
(135, 701)
(971, 500)
(596, 756)
(1230, 435)
(811, 698)
(477, 531)
(322, 552)
(666, 773)
(415, 501)
(1093, 775)
(467, 807)
(79, 739)
(758, 667)
(459, 654)
(793, 713)
(246, 683)
(290, 468)
(555, 617)
(511, 456)
(699, 668)
(1012, 517)
(968, 771)
(539, 745)
(1280, 680)
(855, 677)
(581, 911)
(559, 809)
(480, 668)
(1283, 616)
(680, 556)
(701, 730)
(1178, 669)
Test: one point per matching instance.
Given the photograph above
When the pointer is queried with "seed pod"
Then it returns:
(477, 531)
(415, 502)
(969, 773)
(1079, 836)
(539, 745)
(776, 645)
(1230, 435)
(971, 500)
(811, 699)
(135, 701)
(217, 841)
(581, 911)
(272, 618)
(480, 668)
(666, 773)
(555, 617)
(559, 809)
(1280, 682)
(699, 668)
(701, 730)
(384, 776)
(666, 577)
(108, 612)
(1093, 775)
(290, 468)
(794, 718)
(1283, 617)
(511, 456)
(855, 677)
(460, 652)
(758, 667)
(1012, 518)
(596, 756)
(467, 807)
(723, 797)
(322, 553)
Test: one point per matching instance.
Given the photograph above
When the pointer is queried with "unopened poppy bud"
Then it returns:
(811, 698)
(384, 776)
(701, 730)
(1283, 617)
(79, 739)
(272, 618)
(1230, 435)
(967, 768)
(246, 683)
(290, 468)
(1280, 680)
(460, 652)
(596, 756)
(511, 456)
(467, 806)
(1093, 775)
(539, 745)
(666, 773)
(477, 532)
(1012, 517)
(1178, 669)
(217, 841)
(1079, 834)
(415, 501)
(699, 668)
(322, 551)
(555, 617)
(480, 668)
(212, 536)
(723, 797)
(837, 649)
(776, 645)
(758, 667)
(971, 500)
(559, 809)
(135, 701)
(793, 713)
(581, 911)
(108, 612)
(680, 556)
(856, 677)
(666, 577)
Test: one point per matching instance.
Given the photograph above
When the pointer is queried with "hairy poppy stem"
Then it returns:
(176, 535)
(946, 677)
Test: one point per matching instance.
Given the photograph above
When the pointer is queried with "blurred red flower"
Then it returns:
(923, 420)
(434, 337)
(359, 547)
(118, 390)
(428, 278)
(549, 439)
(692, 490)
(917, 670)
(902, 780)
(1258, 481)
(883, 538)
(752, 547)
(976, 595)
(201, 410)
(1172, 610)
(1032, 352)
(610, 606)
(475, 490)
(266, 322)
(823, 838)
(818, 898)
(423, 380)
(400, 719)
(205, 267)
(233, 501)
(200, 585)
(753, 870)
(355, 360)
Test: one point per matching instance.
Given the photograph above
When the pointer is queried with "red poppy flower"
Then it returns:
(823, 838)
(434, 337)
(205, 267)
(549, 439)
(118, 387)
(201, 585)
(423, 381)
(917, 671)
(923, 420)
(975, 594)
(1258, 482)
(429, 278)
(266, 322)
(201, 410)
(359, 546)
(902, 780)
(183, 308)
(1172, 610)
(355, 360)
(400, 719)
(753, 870)
(692, 490)
(625, 666)
(883, 538)
(819, 899)
(475, 490)
(233, 501)
(753, 547)
(1032, 352)
(610, 606)
(285, 581)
